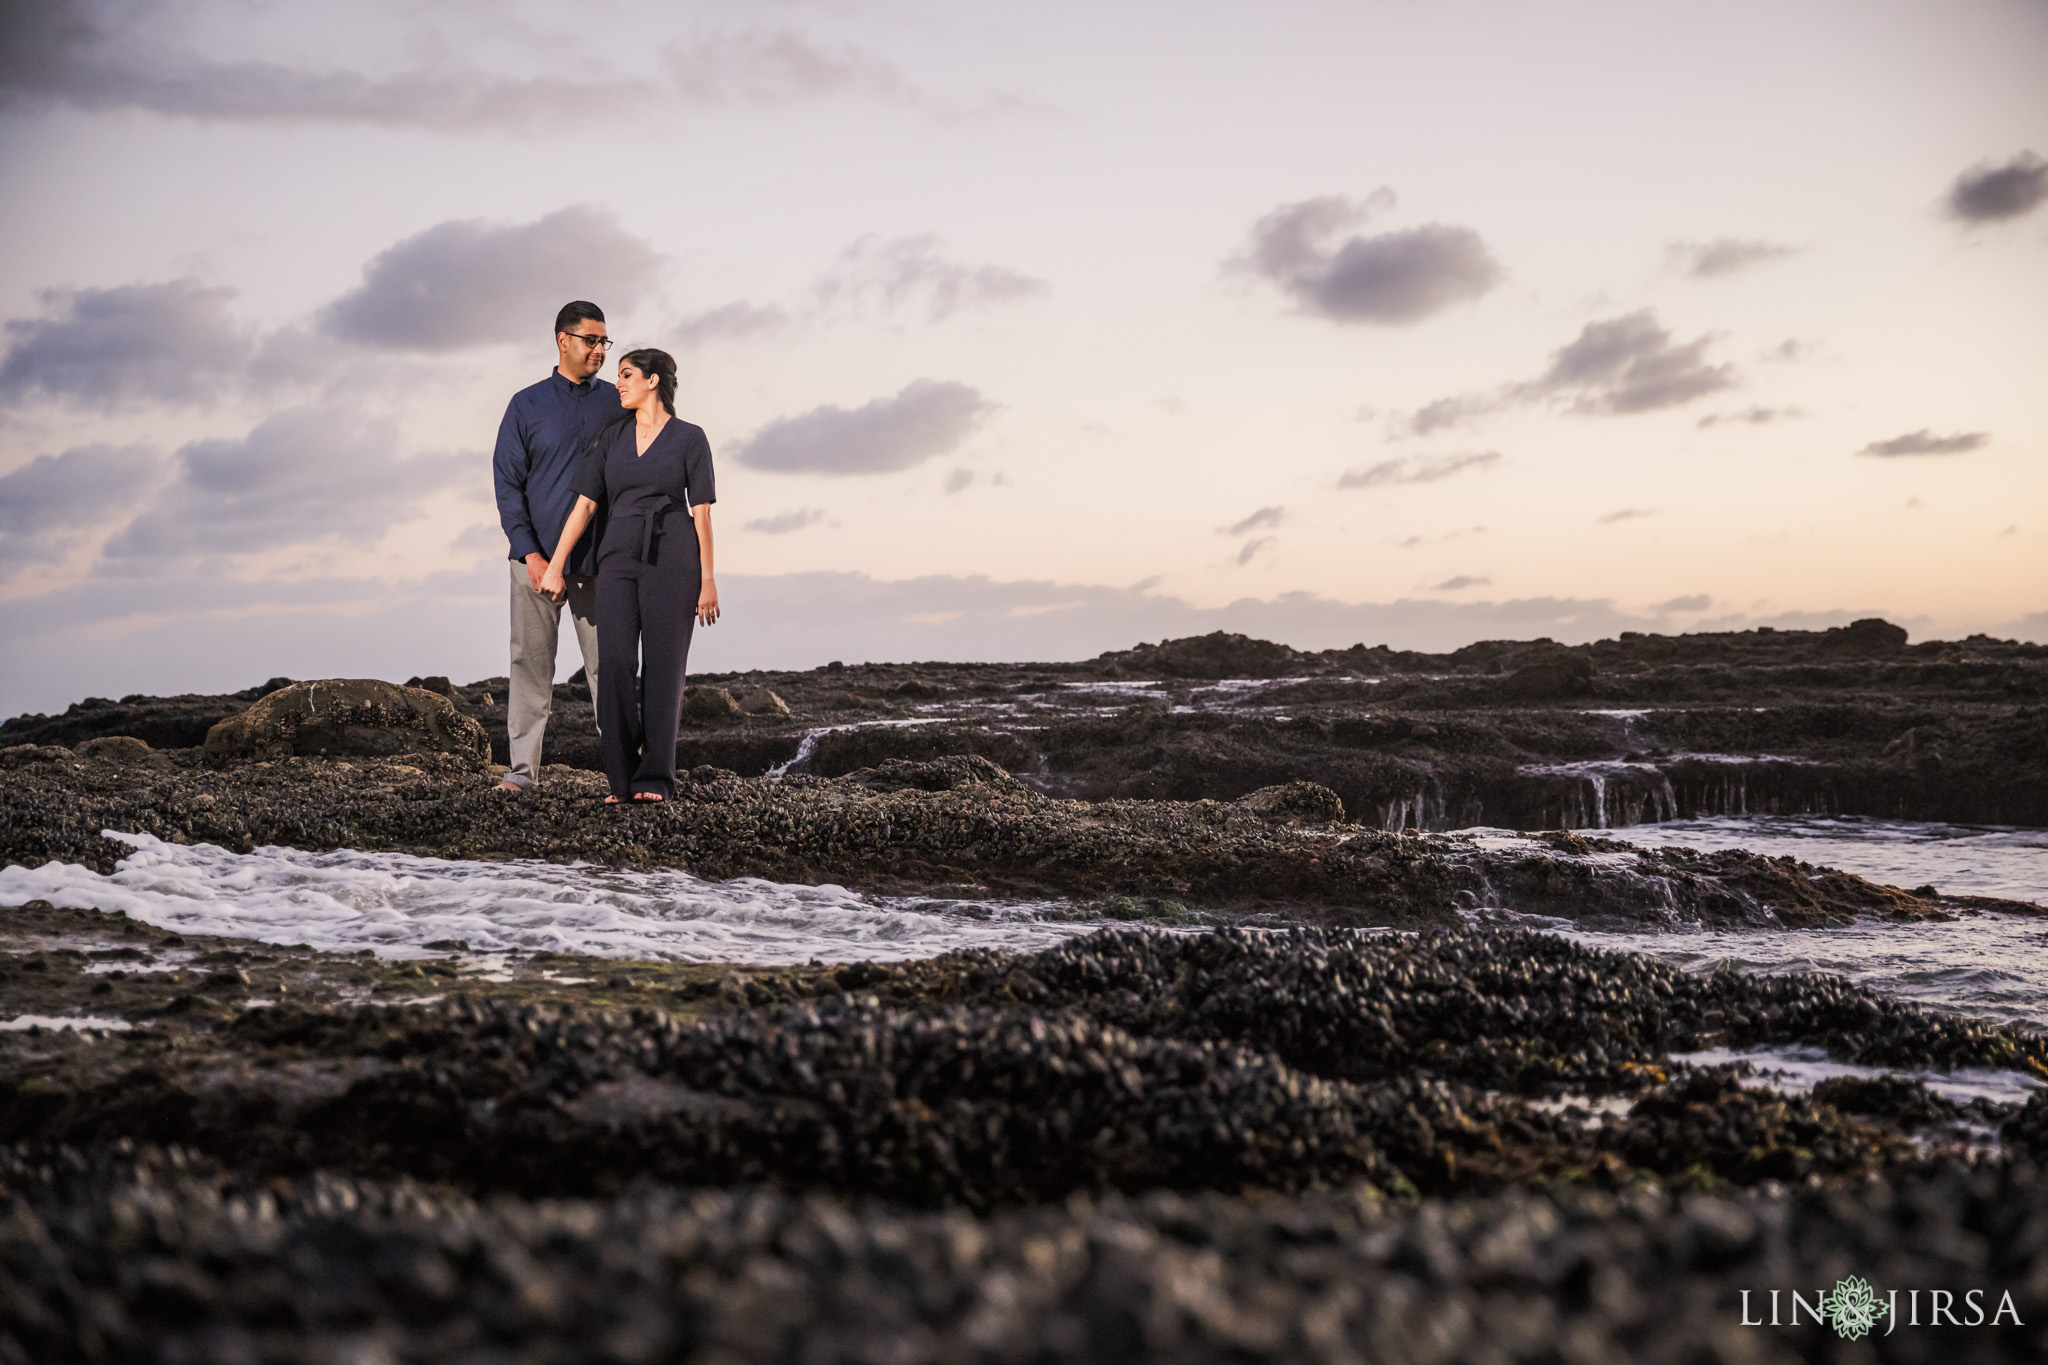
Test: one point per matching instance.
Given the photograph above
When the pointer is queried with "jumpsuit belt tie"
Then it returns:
(651, 524)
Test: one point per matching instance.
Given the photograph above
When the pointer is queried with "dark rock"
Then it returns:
(21, 755)
(762, 702)
(1215, 655)
(118, 749)
(1550, 677)
(703, 703)
(952, 773)
(1902, 1099)
(348, 716)
(1295, 803)
(1870, 636)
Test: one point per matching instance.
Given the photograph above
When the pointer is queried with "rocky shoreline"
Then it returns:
(1513, 734)
(1298, 1137)
(1242, 1146)
(958, 824)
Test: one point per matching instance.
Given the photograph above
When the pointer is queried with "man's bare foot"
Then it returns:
(508, 785)
(611, 800)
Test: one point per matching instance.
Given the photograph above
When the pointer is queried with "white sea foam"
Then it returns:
(82, 1023)
(1797, 1070)
(1967, 860)
(1990, 966)
(396, 904)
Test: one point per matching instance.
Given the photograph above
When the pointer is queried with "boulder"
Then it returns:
(1295, 803)
(1218, 654)
(337, 717)
(22, 755)
(1549, 677)
(950, 773)
(762, 702)
(703, 703)
(119, 749)
(1873, 635)
(434, 683)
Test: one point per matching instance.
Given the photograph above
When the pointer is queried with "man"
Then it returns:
(539, 443)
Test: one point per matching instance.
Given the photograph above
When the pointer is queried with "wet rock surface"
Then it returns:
(1307, 1146)
(907, 825)
(1239, 1145)
(148, 1255)
(342, 717)
(1513, 734)
(1126, 1060)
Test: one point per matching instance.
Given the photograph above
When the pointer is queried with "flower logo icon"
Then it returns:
(1852, 1307)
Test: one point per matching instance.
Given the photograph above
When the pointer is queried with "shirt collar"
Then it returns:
(562, 381)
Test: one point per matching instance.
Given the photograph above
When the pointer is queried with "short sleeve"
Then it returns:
(698, 479)
(588, 480)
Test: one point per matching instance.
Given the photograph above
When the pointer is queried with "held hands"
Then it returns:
(707, 603)
(536, 566)
(551, 585)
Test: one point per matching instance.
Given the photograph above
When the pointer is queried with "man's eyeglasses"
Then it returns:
(594, 343)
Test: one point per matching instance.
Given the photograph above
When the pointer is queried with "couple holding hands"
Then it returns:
(576, 453)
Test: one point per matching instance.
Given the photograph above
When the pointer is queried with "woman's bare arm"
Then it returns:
(707, 596)
(551, 582)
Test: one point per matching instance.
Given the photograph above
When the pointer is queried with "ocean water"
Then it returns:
(1962, 860)
(1989, 965)
(396, 904)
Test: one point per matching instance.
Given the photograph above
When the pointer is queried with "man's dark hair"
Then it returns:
(581, 310)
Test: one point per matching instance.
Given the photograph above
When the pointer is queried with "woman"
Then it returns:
(650, 473)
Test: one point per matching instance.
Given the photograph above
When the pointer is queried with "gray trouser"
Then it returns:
(536, 626)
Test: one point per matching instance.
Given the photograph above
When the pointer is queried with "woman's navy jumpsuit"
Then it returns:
(648, 577)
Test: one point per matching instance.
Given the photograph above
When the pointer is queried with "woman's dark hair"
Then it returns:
(577, 311)
(662, 366)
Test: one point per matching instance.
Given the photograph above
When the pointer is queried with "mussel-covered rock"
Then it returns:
(341, 717)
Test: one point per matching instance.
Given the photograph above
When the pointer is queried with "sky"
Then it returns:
(1025, 333)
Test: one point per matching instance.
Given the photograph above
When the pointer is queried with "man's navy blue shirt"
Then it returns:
(540, 444)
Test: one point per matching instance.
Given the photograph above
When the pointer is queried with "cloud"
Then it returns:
(472, 283)
(47, 504)
(1460, 583)
(929, 418)
(1446, 413)
(739, 321)
(959, 481)
(58, 53)
(1630, 364)
(1627, 514)
(168, 343)
(1725, 255)
(1263, 519)
(896, 275)
(1416, 469)
(1691, 602)
(1614, 367)
(84, 486)
(1791, 349)
(782, 523)
(301, 476)
(1394, 278)
(781, 66)
(1252, 549)
(1987, 193)
(1925, 442)
(1755, 417)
